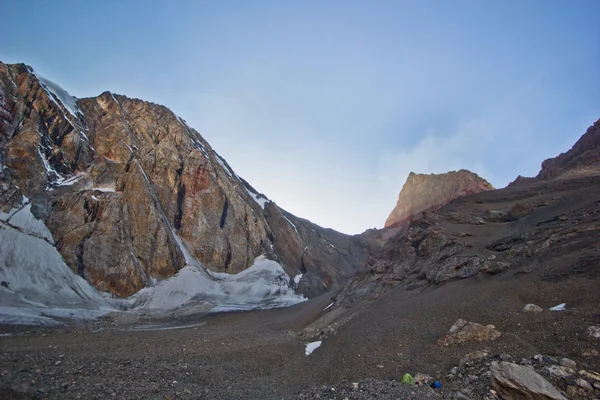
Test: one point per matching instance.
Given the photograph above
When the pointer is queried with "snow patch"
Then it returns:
(25, 220)
(105, 189)
(329, 306)
(39, 286)
(560, 307)
(297, 279)
(56, 92)
(312, 346)
(221, 161)
(264, 285)
(70, 181)
(259, 198)
(291, 223)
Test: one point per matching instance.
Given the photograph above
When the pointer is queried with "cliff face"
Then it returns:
(129, 191)
(583, 159)
(423, 192)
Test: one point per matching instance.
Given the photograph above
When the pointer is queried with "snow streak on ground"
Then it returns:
(312, 346)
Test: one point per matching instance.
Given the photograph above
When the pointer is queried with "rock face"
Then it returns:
(514, 381)
(129, 191)
(465, 331)
(429, 192)
(582, 160)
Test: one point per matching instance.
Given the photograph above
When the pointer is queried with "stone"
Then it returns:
(476, 355)
(519, 210)
(559, 371)
(464, 331)
(532, 308)
(496, 216)
(585, 385)
(568, 363)
(516, 382)
(594, 331)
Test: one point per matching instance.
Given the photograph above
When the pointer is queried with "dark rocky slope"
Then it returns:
(583, 159)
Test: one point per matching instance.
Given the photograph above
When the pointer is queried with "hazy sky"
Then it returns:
(326, 106)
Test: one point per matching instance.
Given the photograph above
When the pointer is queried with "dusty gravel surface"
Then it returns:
(260, 354)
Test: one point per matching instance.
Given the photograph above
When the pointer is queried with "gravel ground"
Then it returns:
(261, 354)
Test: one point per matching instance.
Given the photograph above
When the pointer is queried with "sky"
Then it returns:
(326, 106)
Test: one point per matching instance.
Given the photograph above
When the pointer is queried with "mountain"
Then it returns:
(583, 159)
(129, 194)
(423, 192)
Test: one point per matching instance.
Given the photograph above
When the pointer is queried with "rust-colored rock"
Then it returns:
(423, 192)
(464, 331)
(127, 181)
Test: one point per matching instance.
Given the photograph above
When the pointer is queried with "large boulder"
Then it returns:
(516, 382)
(465, 331)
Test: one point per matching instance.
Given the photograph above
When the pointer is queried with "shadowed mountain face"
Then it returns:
(583, 159)
(129, 192)
(423, 192)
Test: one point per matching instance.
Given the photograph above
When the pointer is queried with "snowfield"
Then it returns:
(37, 286)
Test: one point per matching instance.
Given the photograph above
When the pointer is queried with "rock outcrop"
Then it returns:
(130, 193)
(423, 192)
(514, 381)
(583, 159)
(464, 331)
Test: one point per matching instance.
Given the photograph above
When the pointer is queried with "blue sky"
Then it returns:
(326, 106)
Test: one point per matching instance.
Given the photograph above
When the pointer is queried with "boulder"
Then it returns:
(568, 363)
(594, 331)
(532, 308)
(517, 382)
(465, 331)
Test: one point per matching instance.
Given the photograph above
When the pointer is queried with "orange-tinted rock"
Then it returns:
(423, 192)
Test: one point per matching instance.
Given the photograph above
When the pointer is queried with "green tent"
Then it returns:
(408, 379)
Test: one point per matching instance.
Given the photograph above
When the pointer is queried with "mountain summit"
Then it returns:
(129, 194)
(422, 192)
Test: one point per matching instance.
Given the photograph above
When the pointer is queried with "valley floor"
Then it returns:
(261, 354)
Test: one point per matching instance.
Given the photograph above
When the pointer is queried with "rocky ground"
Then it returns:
(373, 343)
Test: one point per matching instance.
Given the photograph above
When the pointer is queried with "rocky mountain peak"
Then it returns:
(426, 192)
(132, 194)
(583, 159)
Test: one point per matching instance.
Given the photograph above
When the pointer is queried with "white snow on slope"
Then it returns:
(259, 198)
(560, 307)
(221, 161)
(38, 283)
(56, 92)
(38, 286)
(104, 189)
(312, 346)
(264, 285)
(291, 223)
(297, 279)
(25, 220)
